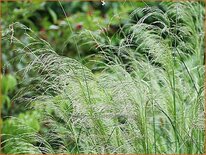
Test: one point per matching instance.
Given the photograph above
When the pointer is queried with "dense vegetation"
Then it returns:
(79, 77)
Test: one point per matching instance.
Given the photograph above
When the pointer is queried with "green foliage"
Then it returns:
(147, 96)
(25, 124)
(8, 85)
(29, 119)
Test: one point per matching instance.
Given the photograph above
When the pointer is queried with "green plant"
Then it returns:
(147, 98)
(25, 125)
(8, 85)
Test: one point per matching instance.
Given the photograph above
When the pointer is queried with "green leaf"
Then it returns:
(53, 15)
(8, 84)
(6, 100)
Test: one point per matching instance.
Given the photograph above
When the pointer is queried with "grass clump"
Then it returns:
(147, 98)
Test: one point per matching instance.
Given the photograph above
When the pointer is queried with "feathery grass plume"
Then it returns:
(148, 97)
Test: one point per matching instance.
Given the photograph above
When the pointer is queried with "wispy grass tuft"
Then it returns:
(147, 98)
